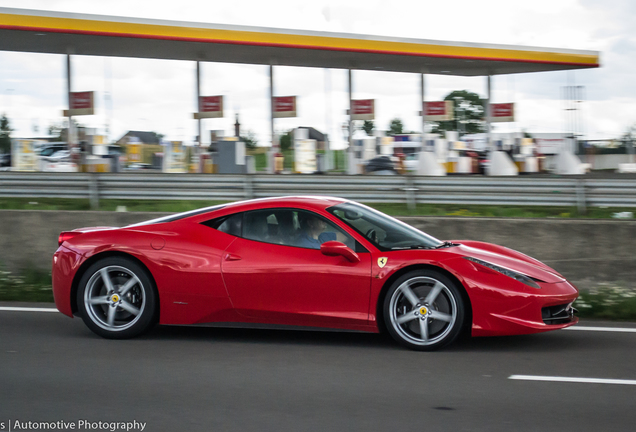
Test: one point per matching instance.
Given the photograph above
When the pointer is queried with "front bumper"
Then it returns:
(503, 312)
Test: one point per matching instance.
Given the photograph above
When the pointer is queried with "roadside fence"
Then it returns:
(411, 190)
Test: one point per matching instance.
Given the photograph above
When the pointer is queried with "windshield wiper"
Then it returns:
(445, 244)
(411, 247)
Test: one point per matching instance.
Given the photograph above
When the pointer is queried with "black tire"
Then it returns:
(121, 306)
(424, 310)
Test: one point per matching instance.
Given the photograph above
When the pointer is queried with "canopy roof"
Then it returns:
(68, 33)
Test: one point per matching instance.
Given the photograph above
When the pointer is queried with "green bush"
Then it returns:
(31, 285)
(609, 301)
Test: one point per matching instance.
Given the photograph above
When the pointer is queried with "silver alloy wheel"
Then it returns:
(423, 310)
(114, 298)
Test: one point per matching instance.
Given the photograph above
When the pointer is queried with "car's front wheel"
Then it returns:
(424, 310)
(116, 298)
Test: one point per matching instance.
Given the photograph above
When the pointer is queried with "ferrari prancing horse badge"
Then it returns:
(382, 261)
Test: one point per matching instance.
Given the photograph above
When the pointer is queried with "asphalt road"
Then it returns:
(53, 368)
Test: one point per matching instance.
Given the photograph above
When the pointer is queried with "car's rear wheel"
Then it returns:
(116, 298)
(424, 310)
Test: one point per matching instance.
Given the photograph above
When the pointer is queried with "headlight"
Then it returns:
(510, 273)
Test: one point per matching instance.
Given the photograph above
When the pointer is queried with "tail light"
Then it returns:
(66, 235)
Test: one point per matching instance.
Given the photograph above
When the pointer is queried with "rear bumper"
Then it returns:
(65, 266)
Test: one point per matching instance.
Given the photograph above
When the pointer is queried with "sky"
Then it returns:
(159, 95)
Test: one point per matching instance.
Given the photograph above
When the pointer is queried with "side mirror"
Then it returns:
(335, 248)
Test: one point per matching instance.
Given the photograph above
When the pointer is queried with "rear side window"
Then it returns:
(232, 224)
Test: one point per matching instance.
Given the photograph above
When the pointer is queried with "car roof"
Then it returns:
(315, 202)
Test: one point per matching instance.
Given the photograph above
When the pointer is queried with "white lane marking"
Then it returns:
(603, 329)
(27, 309)
(572, 379)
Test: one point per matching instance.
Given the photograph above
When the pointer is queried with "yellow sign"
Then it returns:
(382, 261)
(133, 151)
(423, 311)
(24, 158)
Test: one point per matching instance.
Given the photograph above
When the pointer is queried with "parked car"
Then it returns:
(59, 156)
(47, 150)
(139, 166)
(303, 261)
(61, 166)
(380, 165)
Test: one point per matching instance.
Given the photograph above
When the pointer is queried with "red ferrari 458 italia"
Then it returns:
(303, 261)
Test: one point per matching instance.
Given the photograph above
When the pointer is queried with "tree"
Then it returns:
(250, 140)
(286, 140)
(469, 110)
(368, 127)
(630, 134)
(60, 130)
(5, 135)
(629, 139)
(57, 131)
(396, 127)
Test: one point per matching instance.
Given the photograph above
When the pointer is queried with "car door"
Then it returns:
(270, 278)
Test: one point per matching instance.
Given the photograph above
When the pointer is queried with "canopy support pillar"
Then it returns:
(423, 107)
(275, 148)
(200, 139)
(488, 116)
(351, 160)
(70, 132)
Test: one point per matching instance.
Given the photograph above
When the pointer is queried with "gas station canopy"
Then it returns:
(69, 33)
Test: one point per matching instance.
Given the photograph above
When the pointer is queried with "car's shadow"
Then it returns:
(270, 336)
(543, 342)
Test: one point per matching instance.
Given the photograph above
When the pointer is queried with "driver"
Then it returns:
(313, 231)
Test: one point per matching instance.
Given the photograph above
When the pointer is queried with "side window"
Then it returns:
(257, 226)
(228, 224)
(315, 230)
(288, 227)
(291, 227)
(279, 226)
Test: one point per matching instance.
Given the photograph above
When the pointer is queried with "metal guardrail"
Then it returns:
(412, 190)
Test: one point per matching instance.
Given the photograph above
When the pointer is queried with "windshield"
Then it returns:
(385, 232)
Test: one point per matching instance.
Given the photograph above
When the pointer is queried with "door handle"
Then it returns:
(232, 257)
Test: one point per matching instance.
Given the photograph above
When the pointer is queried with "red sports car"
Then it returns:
(303, 261)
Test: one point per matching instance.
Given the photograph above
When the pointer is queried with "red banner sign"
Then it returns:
(210, 107)
(436, 108)
(502, 112)
(363, 109)
(211, 103)
(285, 106)
(81, 103)
(81, 100)
(439, 111)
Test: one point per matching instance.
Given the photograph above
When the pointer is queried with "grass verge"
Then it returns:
(31, 285)
(609, 301)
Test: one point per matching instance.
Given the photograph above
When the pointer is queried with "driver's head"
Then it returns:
(311, 223)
